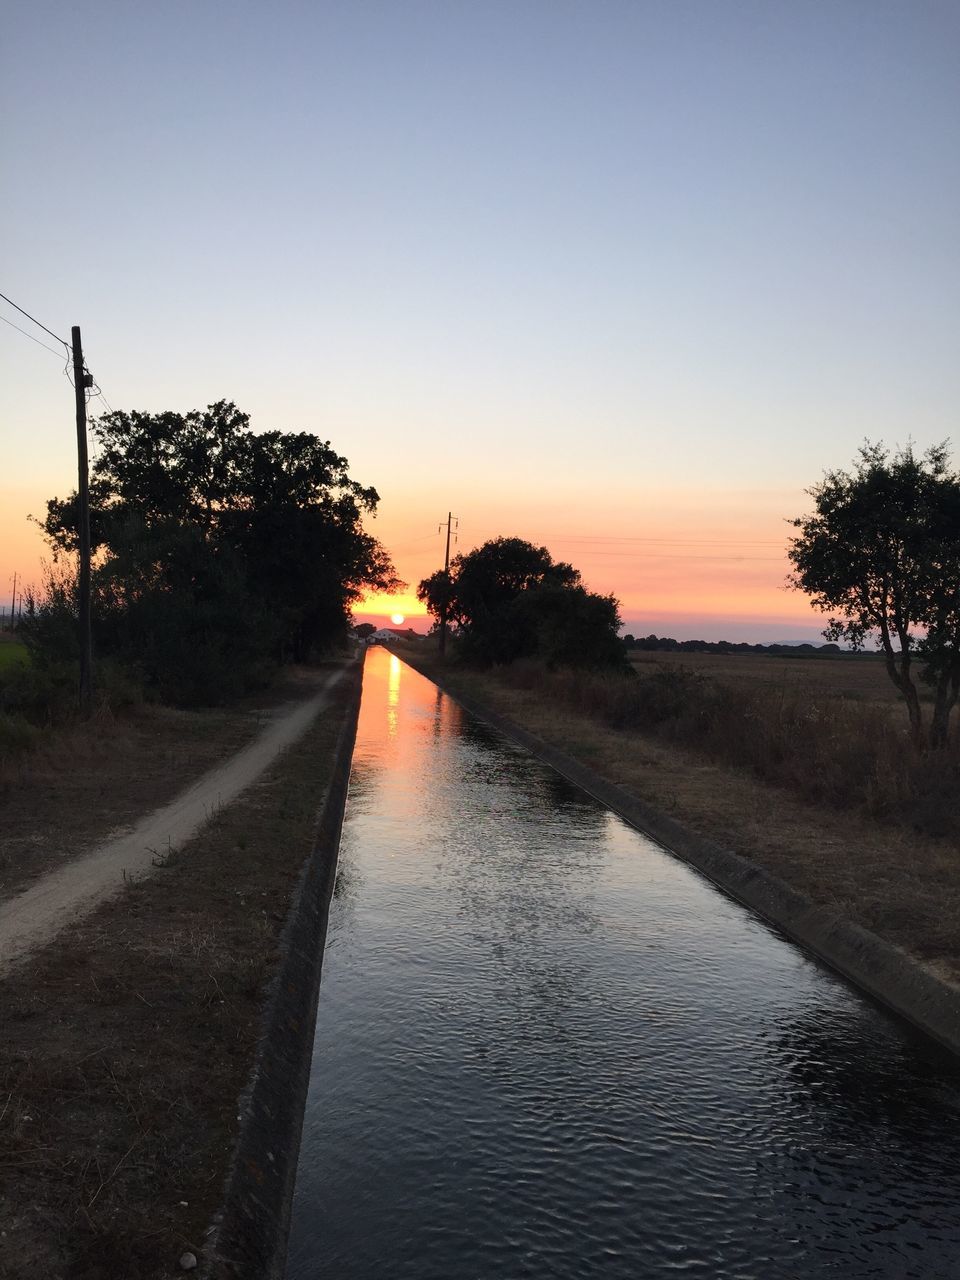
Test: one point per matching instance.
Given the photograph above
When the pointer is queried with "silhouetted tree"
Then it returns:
(568, 627)
(881, 553)
(218, 550)
(364, 629)
(510, 599)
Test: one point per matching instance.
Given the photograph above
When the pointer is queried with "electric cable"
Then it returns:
(56, 336)
(30, 336)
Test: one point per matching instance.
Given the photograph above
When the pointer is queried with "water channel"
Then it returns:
(547, 1048)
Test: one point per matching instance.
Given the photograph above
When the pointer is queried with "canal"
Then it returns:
(547, 1048)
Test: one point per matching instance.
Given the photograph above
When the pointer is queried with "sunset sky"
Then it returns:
(621, 278)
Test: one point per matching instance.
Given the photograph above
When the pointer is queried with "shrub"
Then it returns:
(17, 736)
(835, 751)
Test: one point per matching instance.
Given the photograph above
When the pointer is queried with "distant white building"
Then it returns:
(383, 634)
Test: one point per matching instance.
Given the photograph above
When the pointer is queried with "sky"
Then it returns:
(624, 279)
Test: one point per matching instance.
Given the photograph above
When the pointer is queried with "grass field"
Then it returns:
(12, 654)
(856, 677)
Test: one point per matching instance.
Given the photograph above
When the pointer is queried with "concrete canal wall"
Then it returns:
(250, 1237)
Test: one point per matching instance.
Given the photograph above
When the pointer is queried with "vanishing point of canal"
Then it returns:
(547, 1048)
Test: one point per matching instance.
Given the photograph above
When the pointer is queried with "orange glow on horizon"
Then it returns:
(696, 560)
(404, 606)
(706, 560)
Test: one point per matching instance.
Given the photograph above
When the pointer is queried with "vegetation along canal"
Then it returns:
(546, 1047)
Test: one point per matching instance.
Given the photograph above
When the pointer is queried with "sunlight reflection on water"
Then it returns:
(393, 694)
(546, 1048)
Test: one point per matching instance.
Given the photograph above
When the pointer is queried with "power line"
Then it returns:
(413, 543)
(53, 335)
(97, 391)
(31, 337)
(672, 542)
(641, 555)
(687, 555)
(594, 538)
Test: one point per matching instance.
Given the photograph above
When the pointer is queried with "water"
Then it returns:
(546, 1048)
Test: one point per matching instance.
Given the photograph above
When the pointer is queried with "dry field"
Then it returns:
(84, 781)
(858, 678)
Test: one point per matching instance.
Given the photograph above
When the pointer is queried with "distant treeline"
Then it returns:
(669, 645)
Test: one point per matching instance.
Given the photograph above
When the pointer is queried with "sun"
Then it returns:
(397, 618)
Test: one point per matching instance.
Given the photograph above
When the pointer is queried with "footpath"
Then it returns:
(137, 998)
(34, 916)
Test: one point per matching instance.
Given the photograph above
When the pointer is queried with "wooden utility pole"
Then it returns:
(13, 603)
(446, 587)
(81, 380)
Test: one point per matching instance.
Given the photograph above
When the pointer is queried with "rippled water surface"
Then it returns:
(546, 1048)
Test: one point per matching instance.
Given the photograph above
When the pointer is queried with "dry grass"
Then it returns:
(128, 1041)
(82, 781)
(853, 678)
(885, 876)
(813, 739)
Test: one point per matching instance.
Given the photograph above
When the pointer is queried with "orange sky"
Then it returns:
(694, 561)
(707, 562)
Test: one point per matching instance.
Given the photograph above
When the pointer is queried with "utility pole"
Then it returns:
(446, 581)
(13, 602)
(82, 380)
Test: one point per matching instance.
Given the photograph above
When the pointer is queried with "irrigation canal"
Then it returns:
(547, 1048)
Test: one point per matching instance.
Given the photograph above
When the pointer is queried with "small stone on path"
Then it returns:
(188, 1261)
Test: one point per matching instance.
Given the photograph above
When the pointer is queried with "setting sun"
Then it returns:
(397, 618)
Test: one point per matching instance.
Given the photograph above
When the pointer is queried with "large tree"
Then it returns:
(218, 549)
(510, 599)
(881, 555)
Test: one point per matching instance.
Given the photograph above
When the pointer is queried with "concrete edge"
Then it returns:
(891, 976)
(249, 1237)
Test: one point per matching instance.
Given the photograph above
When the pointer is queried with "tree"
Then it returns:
(568, 627)
(881, 554)
(364, 629)
(219, 551)
(510, 599)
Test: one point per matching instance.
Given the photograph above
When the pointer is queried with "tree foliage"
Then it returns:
(219, 551)
(881, 555)
(509, 599)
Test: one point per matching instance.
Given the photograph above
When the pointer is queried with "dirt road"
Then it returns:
(31, 918)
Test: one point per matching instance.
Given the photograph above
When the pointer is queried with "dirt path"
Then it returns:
(31, 918)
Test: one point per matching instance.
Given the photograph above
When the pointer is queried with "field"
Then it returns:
(68, 786)
(855, 677)
(12, 653)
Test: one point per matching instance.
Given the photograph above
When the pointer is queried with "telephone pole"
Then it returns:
(13, 603)
(451, 520)
(82, 380)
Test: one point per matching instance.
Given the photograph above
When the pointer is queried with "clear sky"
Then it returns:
(624, 278)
